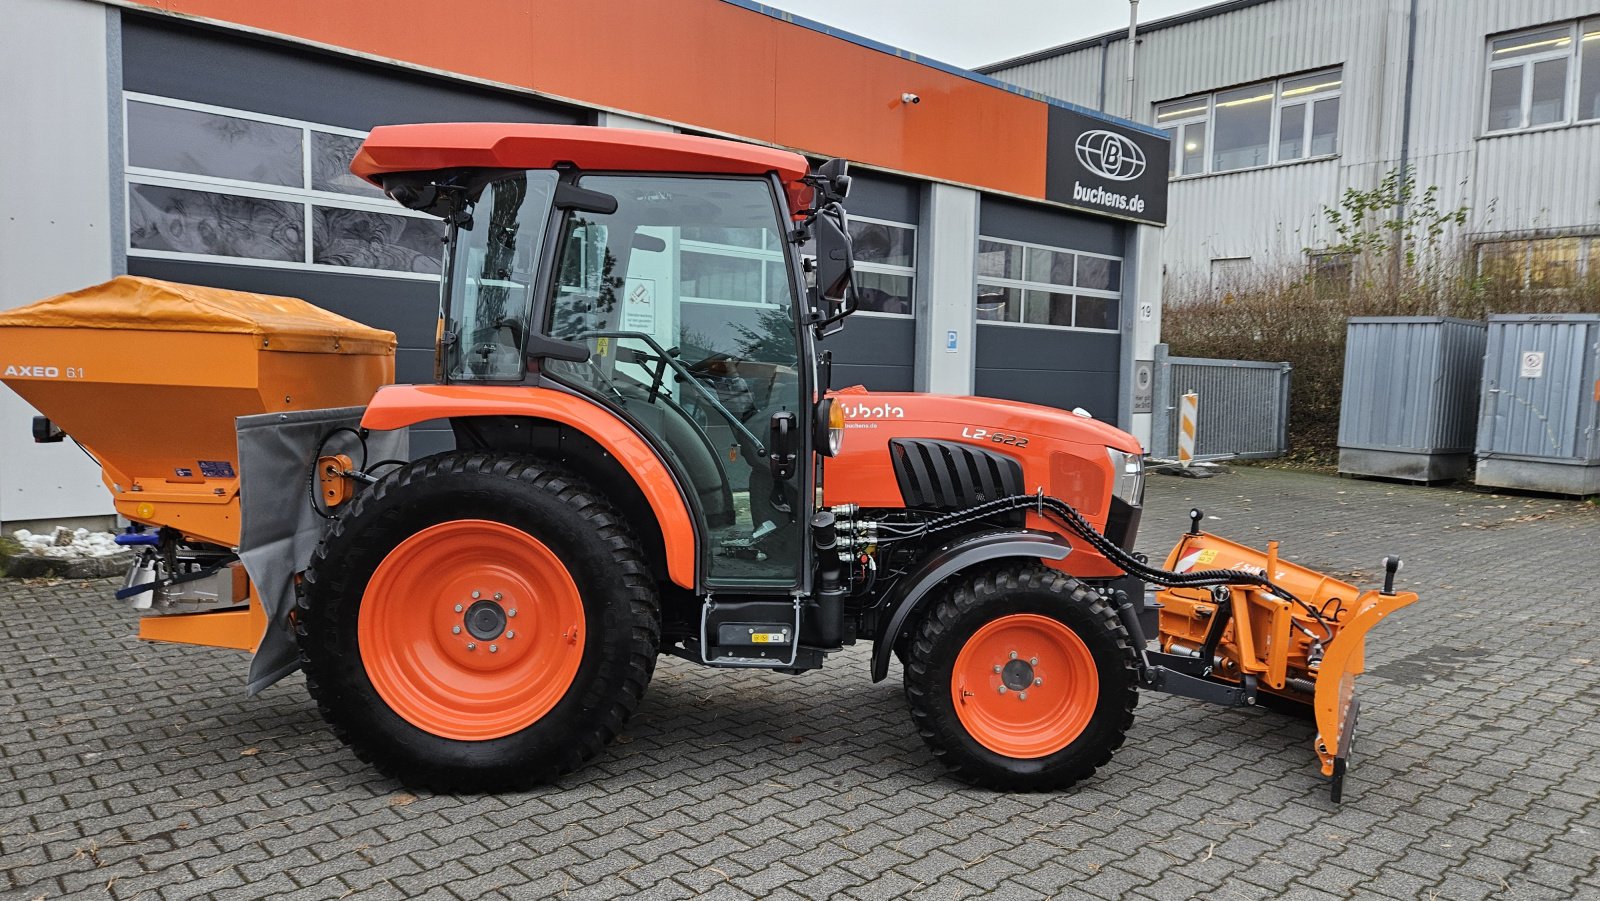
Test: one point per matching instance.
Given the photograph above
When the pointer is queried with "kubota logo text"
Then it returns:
(33, 372)
(867, 411)
(1110, 154)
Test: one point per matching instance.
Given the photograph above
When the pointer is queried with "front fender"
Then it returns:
(908, 594)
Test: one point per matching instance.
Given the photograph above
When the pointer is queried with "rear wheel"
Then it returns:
(477, 622)
(1020, 678)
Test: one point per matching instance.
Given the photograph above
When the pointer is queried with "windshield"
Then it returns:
(492, 271)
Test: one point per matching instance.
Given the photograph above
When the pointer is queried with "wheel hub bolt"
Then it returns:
(455, 630)
(510, 635)
(511, 612)
(1038, 681)
(476, 595)
(471, 646)
(498, 596)
(1022, 696)
(458, 608)
(997, 667)
(1002, 689)
(1013, 655)
(1033, 661)
(494, 649)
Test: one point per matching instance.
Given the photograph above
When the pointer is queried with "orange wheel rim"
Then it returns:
(1024, 685)
(471, 630)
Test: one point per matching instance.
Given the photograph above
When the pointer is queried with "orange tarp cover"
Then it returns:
(147, 304)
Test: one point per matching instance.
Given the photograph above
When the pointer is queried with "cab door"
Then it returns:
(686, 299)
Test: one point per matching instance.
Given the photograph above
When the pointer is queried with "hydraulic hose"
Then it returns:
(1129, 563)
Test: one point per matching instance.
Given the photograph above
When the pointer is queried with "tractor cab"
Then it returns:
(660, 279)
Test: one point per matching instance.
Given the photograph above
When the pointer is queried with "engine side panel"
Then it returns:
(1058, 452)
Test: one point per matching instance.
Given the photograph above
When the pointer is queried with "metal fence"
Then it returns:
(1243, 409)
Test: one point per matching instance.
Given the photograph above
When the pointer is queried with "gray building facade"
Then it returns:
(1277, 107)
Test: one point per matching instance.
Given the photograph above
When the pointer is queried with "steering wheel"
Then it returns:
(690, 377)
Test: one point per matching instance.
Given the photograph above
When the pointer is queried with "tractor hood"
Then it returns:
(990, 414)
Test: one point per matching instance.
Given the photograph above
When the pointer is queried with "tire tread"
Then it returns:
(335, 700)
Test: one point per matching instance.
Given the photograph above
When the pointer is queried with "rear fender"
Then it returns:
(399, 406)
(908, 594)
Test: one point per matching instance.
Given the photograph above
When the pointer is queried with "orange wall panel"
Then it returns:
(703, 64)
(845, 101)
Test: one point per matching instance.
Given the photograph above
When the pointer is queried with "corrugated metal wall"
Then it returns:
(1516, 182)
(1554, 415)
(1411, 384)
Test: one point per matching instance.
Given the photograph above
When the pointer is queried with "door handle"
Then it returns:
(782, 453)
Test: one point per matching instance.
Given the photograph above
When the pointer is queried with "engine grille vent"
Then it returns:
(947, 475)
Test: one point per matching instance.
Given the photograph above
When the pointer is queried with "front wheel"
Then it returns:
(1020, 678)
(477, 622)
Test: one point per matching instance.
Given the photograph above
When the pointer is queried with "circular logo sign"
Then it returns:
(1110, 154)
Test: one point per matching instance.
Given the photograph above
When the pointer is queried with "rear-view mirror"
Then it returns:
(835, 260)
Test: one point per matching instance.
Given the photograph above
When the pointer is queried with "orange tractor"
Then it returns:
(647, 460)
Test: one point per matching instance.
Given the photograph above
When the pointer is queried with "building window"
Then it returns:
(1330, 273)
(1185, 124)
(1035, 285)
(1540, 263)
(227, 185)
(1532, 75)
(1271, 122)
(1231, 275)
(738, 266)
(885, 265)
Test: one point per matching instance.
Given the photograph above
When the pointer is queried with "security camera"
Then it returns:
(909, 97)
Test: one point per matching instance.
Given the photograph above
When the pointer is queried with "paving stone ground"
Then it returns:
(141, 771)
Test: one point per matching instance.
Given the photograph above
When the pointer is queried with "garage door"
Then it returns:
(1049, 307)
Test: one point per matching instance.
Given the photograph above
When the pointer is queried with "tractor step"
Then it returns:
(750, 634)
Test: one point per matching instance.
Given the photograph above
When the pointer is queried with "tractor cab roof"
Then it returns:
(509, 145)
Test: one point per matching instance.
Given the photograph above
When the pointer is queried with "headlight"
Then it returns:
(1128, 483)
(828, 434)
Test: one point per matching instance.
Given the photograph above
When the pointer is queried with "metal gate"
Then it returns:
(1243, 409)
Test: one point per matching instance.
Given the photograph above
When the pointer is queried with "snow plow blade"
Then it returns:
(1307, 648)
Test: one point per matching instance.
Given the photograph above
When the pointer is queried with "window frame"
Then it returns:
(764, 255)
(306, 197)
(1585, 263)
(909, 272)
(1180, 129)
(1025, 284)
(1320, 261)
(1208, 119)
(1231, 272)
(1572, 53)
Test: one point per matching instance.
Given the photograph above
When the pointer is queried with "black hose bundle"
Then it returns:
(1129, 563)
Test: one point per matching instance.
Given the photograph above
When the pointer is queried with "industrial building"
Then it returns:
(1277, 107)
(1006, 241)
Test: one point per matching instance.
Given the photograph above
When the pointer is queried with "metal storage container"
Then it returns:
(1410, 402)
(1539, 420)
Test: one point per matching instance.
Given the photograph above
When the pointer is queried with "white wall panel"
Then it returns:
(56, 235)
